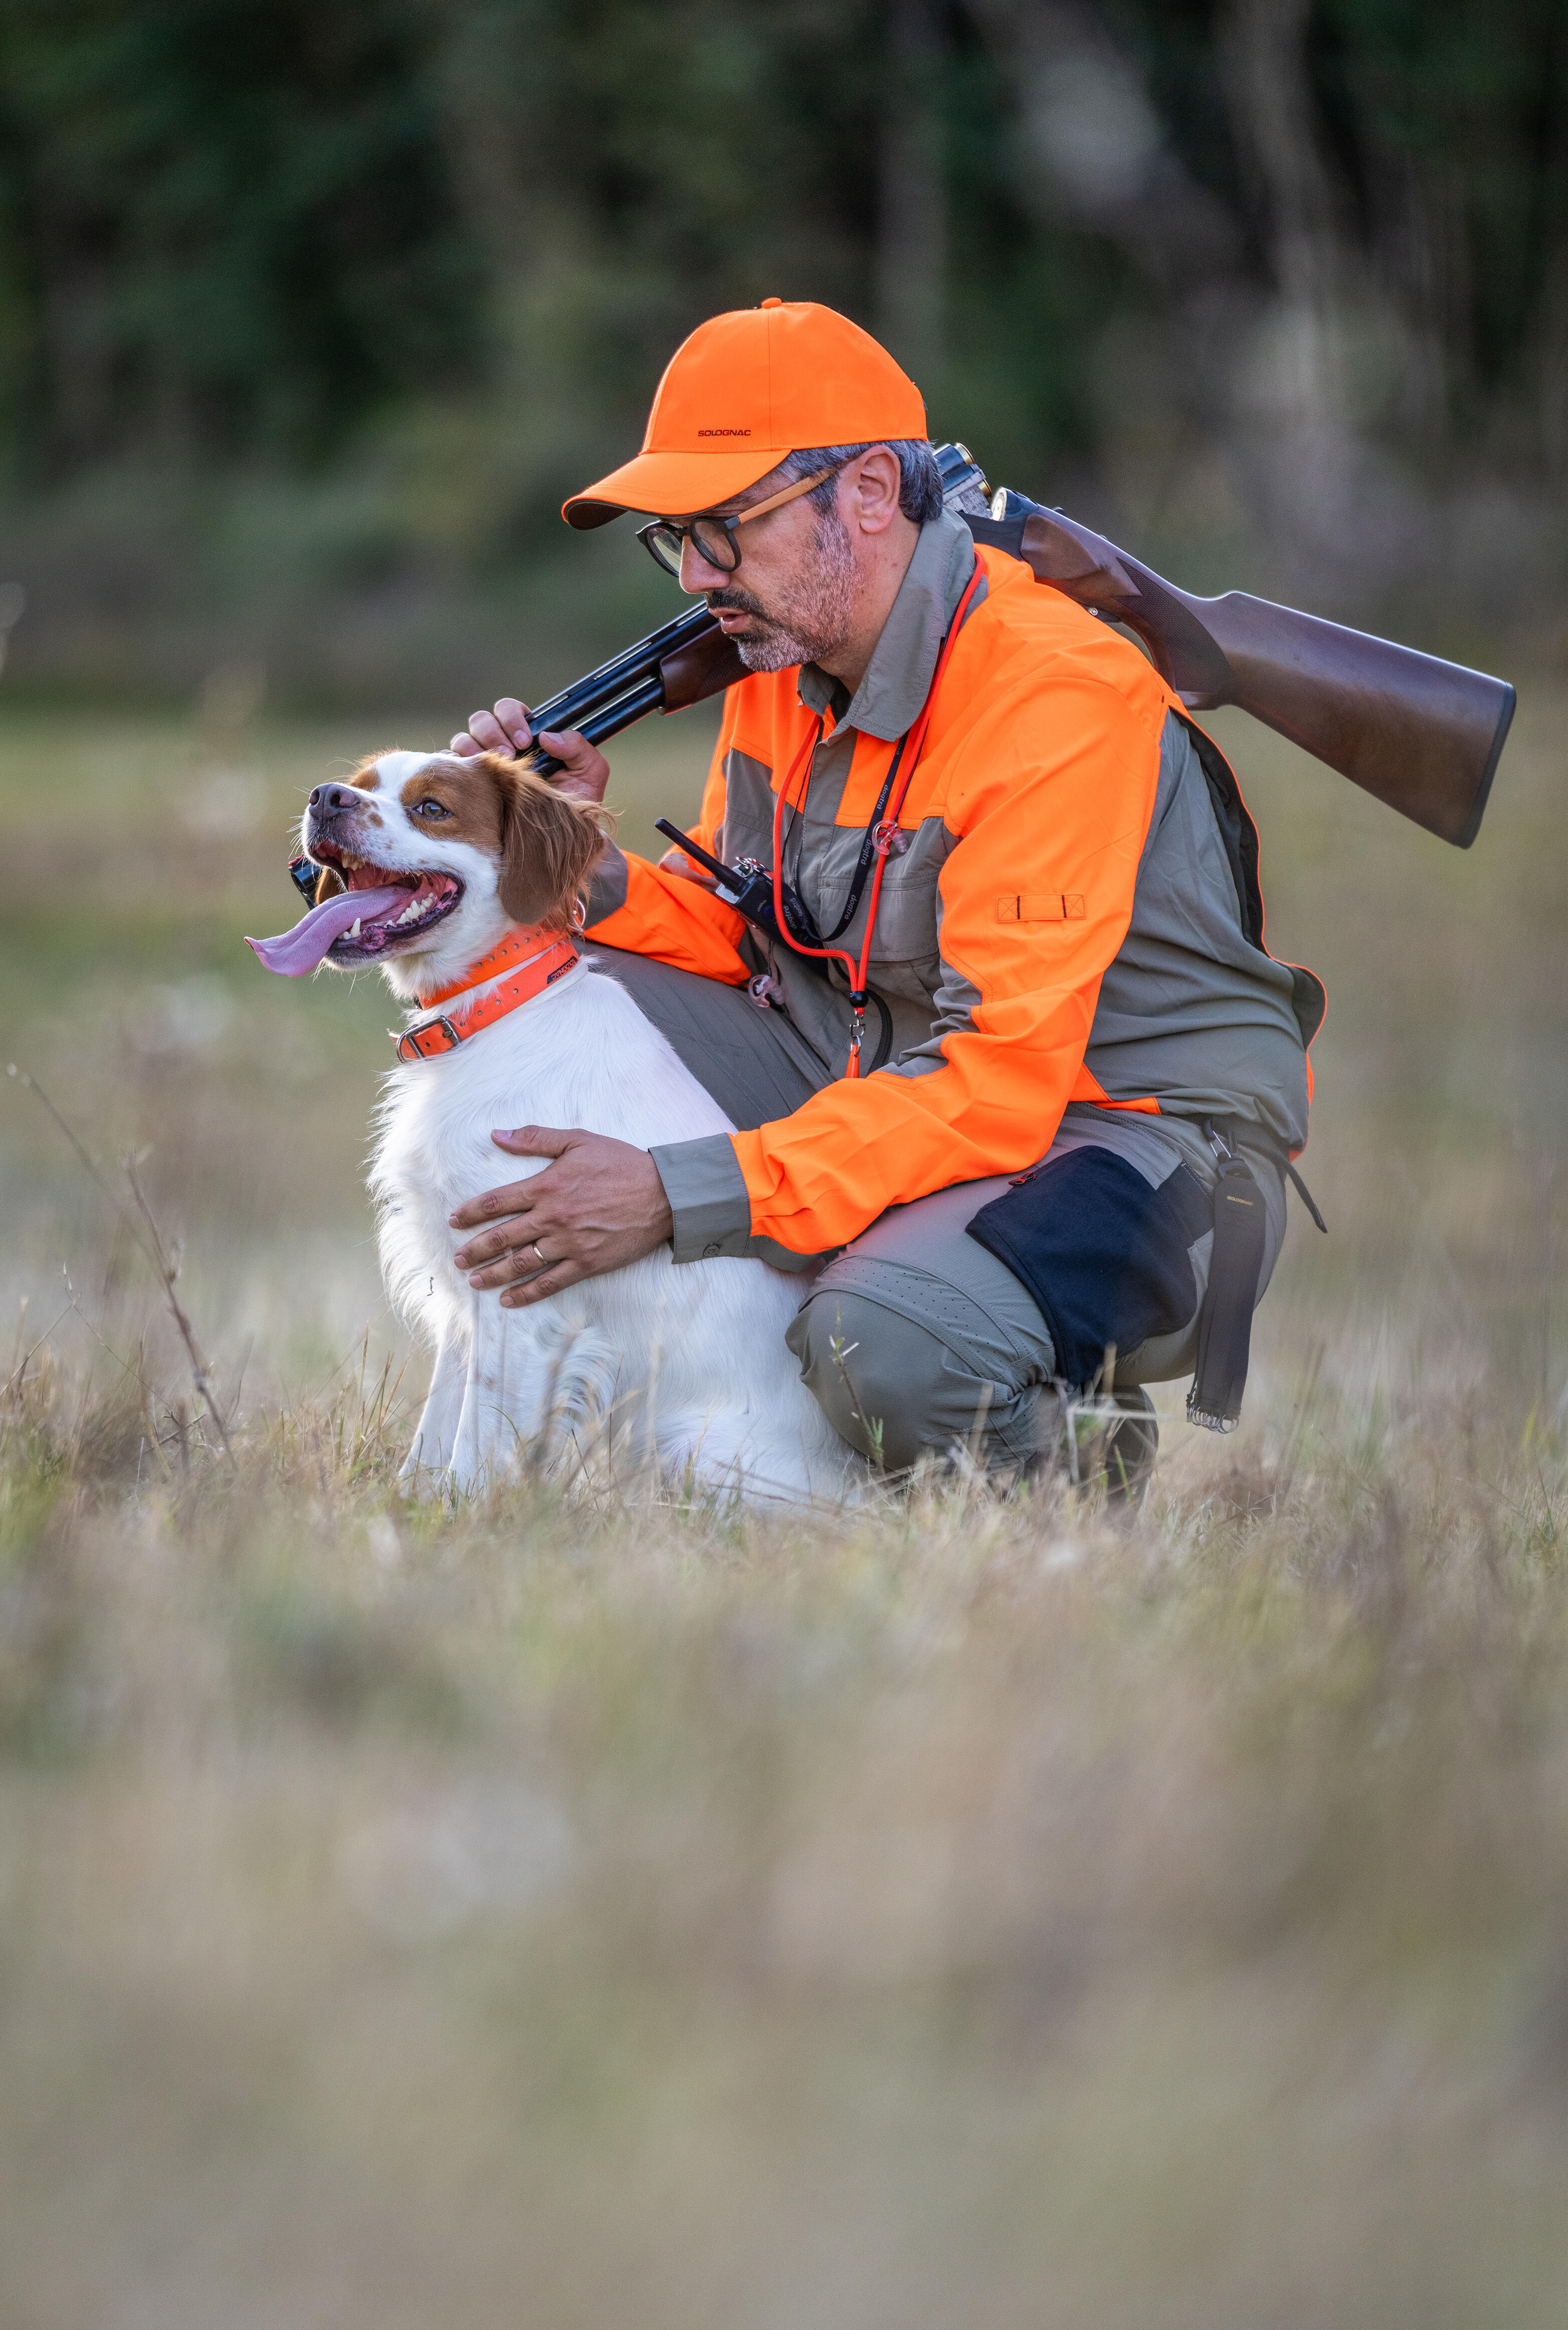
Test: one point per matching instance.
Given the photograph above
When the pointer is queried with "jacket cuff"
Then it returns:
(606, 886)
(712, 1204)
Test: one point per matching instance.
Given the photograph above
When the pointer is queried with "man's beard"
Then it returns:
(810, 617)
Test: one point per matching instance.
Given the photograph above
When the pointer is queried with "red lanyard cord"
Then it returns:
(911, 748)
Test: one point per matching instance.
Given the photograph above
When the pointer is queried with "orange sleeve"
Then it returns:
(1052, 801)
(673, 915)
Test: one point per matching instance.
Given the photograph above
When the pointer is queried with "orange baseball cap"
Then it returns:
(743, 390)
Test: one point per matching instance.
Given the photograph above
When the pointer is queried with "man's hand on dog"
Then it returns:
(597, 1206)
(584, 771)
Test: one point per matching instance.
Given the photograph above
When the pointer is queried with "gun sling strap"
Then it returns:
(1235, 1266)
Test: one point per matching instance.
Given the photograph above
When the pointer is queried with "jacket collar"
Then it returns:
(899, 676)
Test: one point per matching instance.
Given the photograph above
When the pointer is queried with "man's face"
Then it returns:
(792, 597)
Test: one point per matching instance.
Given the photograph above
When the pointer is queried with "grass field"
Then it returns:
(975, 1913)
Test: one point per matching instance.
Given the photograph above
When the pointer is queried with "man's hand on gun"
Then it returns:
(583, 773)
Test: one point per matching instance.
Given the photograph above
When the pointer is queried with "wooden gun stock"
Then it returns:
(1420, 735)
(705, 667)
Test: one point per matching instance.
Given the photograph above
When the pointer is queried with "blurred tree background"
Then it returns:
(311, 315)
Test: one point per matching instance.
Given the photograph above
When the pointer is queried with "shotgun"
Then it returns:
(1420, 735)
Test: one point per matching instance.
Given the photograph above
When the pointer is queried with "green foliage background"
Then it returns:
(310, 316)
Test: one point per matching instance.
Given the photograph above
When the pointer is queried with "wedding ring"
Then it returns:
(538, 1257)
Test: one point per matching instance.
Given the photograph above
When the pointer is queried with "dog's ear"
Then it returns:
(549, 842)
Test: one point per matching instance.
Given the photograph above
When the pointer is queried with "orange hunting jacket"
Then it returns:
(1074, 916)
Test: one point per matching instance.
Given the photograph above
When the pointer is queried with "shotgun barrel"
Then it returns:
(625, 688)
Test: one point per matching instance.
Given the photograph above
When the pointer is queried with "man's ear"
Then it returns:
(876, 482)
(548, 846)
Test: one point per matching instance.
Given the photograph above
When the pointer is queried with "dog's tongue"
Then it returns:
(297, 951)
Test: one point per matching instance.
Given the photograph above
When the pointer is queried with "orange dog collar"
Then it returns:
(430, 1038)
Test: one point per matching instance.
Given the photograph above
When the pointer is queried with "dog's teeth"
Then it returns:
(354, 928)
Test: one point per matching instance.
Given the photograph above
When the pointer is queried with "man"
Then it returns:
(1065, 964)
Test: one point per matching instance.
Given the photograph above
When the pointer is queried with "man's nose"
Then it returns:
(327, 800)
(697, 572)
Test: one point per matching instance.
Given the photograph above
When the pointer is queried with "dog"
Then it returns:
(447, 874)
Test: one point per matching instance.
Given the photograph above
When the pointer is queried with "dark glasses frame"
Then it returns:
(666, 538)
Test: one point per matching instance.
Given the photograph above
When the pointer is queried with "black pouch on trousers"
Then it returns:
(1225, 1320)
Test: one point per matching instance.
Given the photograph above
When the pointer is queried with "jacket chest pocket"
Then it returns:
(906, 913)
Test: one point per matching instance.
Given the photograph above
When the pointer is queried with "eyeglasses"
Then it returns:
(714, 537)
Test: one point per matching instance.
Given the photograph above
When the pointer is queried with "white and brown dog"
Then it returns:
(458, 879)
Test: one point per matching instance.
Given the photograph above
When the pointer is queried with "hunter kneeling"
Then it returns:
(1018, 1014)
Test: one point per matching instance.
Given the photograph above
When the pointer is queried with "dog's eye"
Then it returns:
(430, 809)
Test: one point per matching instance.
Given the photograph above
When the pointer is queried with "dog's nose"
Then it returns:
(326, 800)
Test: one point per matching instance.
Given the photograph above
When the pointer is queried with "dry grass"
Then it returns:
(970, 1912)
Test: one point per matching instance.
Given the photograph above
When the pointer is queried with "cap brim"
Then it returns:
(671, 485)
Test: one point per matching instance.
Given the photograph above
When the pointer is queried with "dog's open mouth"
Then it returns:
(380, 908)
(425, 900)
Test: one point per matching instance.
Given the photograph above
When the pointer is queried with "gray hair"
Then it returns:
(919, 491)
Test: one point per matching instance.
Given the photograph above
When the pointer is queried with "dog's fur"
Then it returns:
(685, 1368)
